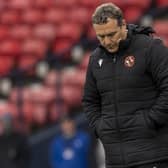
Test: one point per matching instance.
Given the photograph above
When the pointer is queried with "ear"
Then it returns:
(124, 24)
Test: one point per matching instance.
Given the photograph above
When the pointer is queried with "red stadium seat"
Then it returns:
(143, 4)
(119, 3)
(4, 107)
(65, 3)
(62, 45)
(49, 95)
(3, 4)
(10, 17)
(4, 32)
(13, 110)
(69, 30)
(45, 32)
(10, 47)
(51, 79)
(68, 77)
(21, 32)
(33, 16)
(80, 16)
(42, 3)
(38, 96)
(55, 15)
(6, 64)
(132, 14)
(91, 33)
(166, 41)
(80, 77)
(162, 3)
(35, 47)
(84, 63)
(27, 61)
(19, 4)
(74, 77)
(15, 93)
(88, 3)
(39, 114)
(25, 110)
(71, 95)
(160, 26)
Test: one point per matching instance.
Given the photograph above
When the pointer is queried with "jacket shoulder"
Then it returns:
(143, 41)
(96, 54)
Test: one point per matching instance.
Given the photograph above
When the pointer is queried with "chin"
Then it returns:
(113, 50)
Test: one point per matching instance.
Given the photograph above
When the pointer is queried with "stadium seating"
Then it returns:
(162, 3)
(28, 28)
(6, 64)
(35, 47)
(19, 4)
(45, 32)
(132, 14)
(10, 47)
(20, 32)
(10, 17)
(4, 32)
(160, 27)
(32, 16)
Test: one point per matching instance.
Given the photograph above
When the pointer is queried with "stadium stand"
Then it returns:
(41, 30)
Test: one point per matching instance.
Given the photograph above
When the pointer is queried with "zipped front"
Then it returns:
(116, 110)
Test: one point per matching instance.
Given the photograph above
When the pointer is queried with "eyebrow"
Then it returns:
(109, 34)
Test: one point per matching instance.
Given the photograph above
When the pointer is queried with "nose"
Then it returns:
(107, 40)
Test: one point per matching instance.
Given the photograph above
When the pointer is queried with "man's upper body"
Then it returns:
(126, 91)
(70, 150)
(14, 148)
(14, 151)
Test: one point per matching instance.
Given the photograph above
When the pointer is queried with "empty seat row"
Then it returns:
(22, 4)
(52, 15)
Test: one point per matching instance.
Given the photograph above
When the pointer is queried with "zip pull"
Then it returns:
(114, 59)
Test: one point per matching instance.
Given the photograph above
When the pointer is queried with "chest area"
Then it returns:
(125, 70)
(9, 148)
(71, 148)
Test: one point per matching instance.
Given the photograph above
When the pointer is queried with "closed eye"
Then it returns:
(108, 35)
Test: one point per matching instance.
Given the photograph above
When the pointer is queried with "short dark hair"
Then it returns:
(105, 11)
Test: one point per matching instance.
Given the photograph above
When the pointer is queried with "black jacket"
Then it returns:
(126, 100)
(14, 151)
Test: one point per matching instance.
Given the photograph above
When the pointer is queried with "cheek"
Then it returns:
(117, 39)
(101, 42)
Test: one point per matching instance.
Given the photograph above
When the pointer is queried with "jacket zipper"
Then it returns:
(116, 111)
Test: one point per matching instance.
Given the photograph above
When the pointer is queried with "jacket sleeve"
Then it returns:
(91, 99)
(55, 151)
(158, 67)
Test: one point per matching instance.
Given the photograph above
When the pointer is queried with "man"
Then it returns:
(126, 92)
(70, 149)
(14, 148)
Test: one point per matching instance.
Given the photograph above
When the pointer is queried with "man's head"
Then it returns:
(109, 25)
(68, 127)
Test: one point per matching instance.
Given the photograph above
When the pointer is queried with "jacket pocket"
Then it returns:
(149, 123)
(98, 127)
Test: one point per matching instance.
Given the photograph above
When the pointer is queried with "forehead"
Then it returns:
(110, 26)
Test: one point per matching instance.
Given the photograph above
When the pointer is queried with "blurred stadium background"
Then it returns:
(44, 51)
